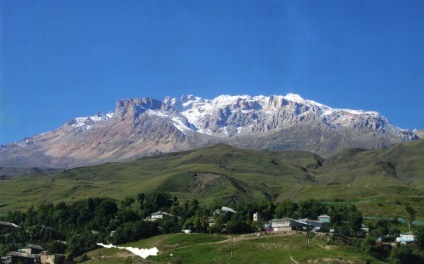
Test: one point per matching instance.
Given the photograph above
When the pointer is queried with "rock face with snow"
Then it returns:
(146, 126)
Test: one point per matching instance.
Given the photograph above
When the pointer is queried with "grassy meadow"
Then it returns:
(250, 248)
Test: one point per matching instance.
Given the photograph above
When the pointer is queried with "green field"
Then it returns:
(204, 248)
(379, 182)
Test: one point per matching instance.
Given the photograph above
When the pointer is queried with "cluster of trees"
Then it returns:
(75, 228)
(387, 230)
(408, 253)
(80, 225)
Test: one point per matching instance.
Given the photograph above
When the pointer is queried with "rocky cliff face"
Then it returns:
(146, 126)
(419, 133)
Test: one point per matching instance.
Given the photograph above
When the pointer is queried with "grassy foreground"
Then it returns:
(250, 248)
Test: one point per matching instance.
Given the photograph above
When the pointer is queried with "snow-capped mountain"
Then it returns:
(146, 126)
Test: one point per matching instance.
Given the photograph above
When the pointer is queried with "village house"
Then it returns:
(211, 221)
(405, 238)
(314, 223)
(22, 257)
(324, 218)
(159, 215)
(31, 249)
(32, 254)
(286, 224)
(7, 224)
(19, 257)
(223, 211)
(365, 228)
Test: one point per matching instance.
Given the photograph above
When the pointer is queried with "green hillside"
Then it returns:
(380, 182)
(204, 248)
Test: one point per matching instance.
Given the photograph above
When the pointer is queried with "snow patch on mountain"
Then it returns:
(86, 123)
(156, 113)
(180, 125)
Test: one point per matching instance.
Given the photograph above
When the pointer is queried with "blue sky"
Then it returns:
(64, 59)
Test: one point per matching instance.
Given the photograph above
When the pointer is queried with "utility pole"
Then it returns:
(308, 232)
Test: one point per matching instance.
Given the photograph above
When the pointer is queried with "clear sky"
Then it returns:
(61, 59)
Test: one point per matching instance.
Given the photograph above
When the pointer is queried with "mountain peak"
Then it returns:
(294, 97)
(146, 126)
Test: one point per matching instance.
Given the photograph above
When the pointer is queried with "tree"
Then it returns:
(346, 219)
(44, 214)
(218, 227)
(125, 215)
(173, 225)
(30, 218)
(134, 231)
(140, 198)
(239, 225)
(411, 215)
(287, 208)
(16, 217)
(354, 219)
(404, 254)
(60, 216)
(6, 248)
(368, 245)
(197, 223)
(311, 209)
(419, 238)
(127, 202)
(104, 213)
(193, 206)
(155, 201)
(267, 210)
(336, 216)
(56, 247)
(386, 228)
(79, 243)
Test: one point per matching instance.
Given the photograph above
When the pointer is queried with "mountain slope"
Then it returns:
(143, 127)
(389, 177)
(401, 163)
(208, 173)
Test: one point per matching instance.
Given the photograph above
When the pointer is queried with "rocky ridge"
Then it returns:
(146, 126)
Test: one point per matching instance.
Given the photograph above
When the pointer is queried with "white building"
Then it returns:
(405, 238)
(159, 215)
(256, 217)
(324, 218)
(316, 224)
(286, 224)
